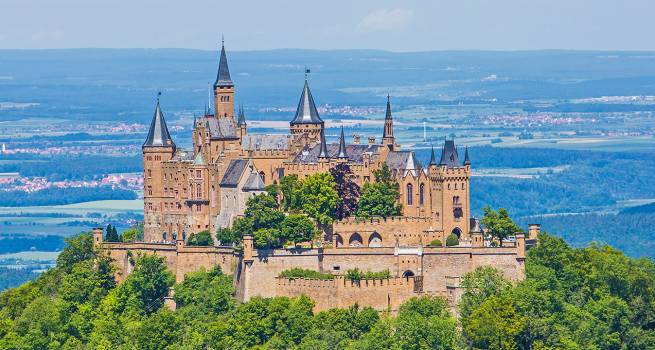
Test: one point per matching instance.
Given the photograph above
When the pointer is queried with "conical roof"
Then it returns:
(449, 155)
(342, 146)
(467, 161)
(223, 77)
(158, 135)
(388, 121)
(433, 158)
(306, 112)
(242, 117)
(323, 152)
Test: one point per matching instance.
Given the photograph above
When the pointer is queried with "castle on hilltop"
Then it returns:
(206, 188)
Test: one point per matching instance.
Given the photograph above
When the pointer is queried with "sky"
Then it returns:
(330, 24)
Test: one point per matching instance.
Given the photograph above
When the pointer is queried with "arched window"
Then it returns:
(164, 236)
(375, 240)
(407, 274)
(421, 194)
(338, 240)
(355, 240)
(263, 176)
(410, 194)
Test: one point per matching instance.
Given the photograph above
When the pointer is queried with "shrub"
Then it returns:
(357, 274)
(202, 238)
(452, 240)
(435, 243)
(297, 272)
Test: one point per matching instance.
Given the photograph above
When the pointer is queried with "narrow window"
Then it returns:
(421, 194)
(410, 194)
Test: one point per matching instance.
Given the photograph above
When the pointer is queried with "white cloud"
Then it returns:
(383, 19)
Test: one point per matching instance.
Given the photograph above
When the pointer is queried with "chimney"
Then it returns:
(371, 140)
(356, 139)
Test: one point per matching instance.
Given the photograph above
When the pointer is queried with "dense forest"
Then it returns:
(58, 196)
(584, 298)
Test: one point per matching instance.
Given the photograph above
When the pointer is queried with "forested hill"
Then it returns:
(585, 298)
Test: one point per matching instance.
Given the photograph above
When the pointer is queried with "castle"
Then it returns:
(206, 188)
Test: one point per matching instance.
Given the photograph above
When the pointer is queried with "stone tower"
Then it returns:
(223, 89)
(449, 182)
(157, 148)
(307, 121)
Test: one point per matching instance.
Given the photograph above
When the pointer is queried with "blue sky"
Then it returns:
(335, 24)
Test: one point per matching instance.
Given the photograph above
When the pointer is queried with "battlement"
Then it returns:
(381, 220)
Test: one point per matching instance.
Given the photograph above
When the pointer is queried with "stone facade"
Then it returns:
(206, 188)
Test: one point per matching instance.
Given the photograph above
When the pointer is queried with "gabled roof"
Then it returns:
(306, 112)
(158, 135)
(223, 77)
(403, 162)
(449, 155)
(199, 160)
(253, 183)
(221, 128)
(233, 173)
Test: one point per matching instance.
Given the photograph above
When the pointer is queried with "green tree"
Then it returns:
(289, 186)
(143, 290)
(498, 224)
(207, 291)
(78, 248)
(479, 285)
(227, 236)
(298, 228)
(111, 234)
(495, 324)
(347, 190)
(380, 198)
(202, 238)
(132, 234)
(319, 198)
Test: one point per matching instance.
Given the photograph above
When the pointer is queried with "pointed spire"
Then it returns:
(433, 159)
(158, 135)
(449, 155)
(242, 117)
(342, 146)
(323, 153)
(467, 160)
(223, 77)
(306, 112)
(387, 136)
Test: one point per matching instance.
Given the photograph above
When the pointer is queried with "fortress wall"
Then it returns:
(365, 259)
(380, 294)
(179, 261)
(408, 230)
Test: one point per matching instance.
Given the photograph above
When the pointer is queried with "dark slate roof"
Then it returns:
(242, 117)
(221, 128)
(449, 154)
(253, 183)
(467, 161)
(402, 160)
(388, 121)
(158, 135)
(306, 112)
(355, 153)
(433, 158)
(343, 152)
(257, 142)
(323, 151)
(233, 173)
(223, 77)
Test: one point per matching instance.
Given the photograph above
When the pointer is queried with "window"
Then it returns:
(463, 187)
(197, 207)
(410, 194)
(198, 191)
(198, 173)
(191, 191)
(263, 176)
(149, 173)
(421, 194)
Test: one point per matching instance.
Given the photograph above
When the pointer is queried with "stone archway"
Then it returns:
(375, 240)
(355, 240)
(408, 274)
(457, 232)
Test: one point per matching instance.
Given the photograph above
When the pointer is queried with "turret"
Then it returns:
(387, 137)
(307, 121)
(323, 152)
(342, 155)
(223, 88)
(467, 161)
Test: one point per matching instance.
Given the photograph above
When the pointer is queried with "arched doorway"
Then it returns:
(407, 274)
(355, 240)
(375, 240)
(457, 232)
(338, 240)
